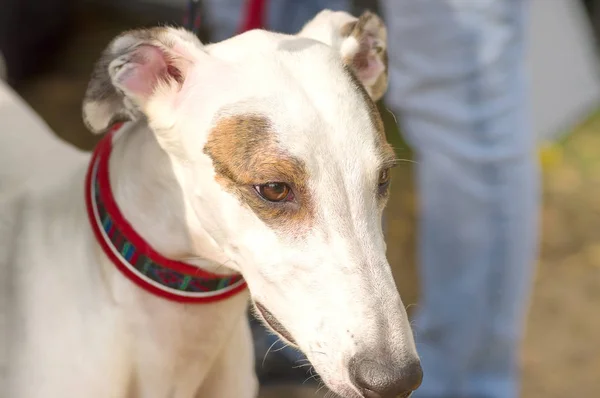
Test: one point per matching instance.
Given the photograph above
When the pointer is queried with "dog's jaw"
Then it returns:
(270, 321)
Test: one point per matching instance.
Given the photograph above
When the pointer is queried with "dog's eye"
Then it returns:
(275, 191)
(384, 179)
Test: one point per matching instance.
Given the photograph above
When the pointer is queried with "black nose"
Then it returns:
(377, 378)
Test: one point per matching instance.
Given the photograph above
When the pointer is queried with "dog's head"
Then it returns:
(282, 157)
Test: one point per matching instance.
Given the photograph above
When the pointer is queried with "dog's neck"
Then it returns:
(145, 188)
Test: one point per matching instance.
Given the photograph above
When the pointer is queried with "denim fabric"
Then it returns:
(457, 78)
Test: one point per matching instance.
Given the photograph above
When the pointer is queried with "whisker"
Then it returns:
(330, 394)
(301, 366)
(391, 113)
(400, 160)
(315, 376)
(267, 353)
(320, 388)
(285, 345)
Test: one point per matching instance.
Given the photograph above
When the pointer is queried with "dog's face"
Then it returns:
(283, 162)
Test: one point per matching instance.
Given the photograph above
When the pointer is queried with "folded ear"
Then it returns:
(137, 68)
(362, 43)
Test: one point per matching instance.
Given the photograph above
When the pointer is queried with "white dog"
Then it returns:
(260, 160)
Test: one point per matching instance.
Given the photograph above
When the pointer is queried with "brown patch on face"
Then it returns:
(245, 153)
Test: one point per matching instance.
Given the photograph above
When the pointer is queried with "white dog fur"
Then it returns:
(73, 326)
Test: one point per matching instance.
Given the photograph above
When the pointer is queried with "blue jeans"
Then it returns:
(457, 80)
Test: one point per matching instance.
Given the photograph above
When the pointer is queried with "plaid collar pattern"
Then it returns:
(133, 256)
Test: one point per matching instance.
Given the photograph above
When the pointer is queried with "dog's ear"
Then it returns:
(137, 68)
(362, 43)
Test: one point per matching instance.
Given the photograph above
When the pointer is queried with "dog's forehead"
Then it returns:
(313, 103)
(291, 112)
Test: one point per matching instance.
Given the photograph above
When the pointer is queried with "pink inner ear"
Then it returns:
(367, 62)
(147, 66)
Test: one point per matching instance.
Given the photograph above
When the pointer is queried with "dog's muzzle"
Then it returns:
(376, 377)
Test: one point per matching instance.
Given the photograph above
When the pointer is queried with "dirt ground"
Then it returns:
(561, 354)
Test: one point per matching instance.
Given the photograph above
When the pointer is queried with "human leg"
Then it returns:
(457, 76)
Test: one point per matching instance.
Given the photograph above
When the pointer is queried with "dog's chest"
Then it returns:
(175, 345)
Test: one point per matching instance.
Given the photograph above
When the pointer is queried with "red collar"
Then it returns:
(133, 256)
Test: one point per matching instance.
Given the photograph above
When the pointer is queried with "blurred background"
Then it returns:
(49, 48)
